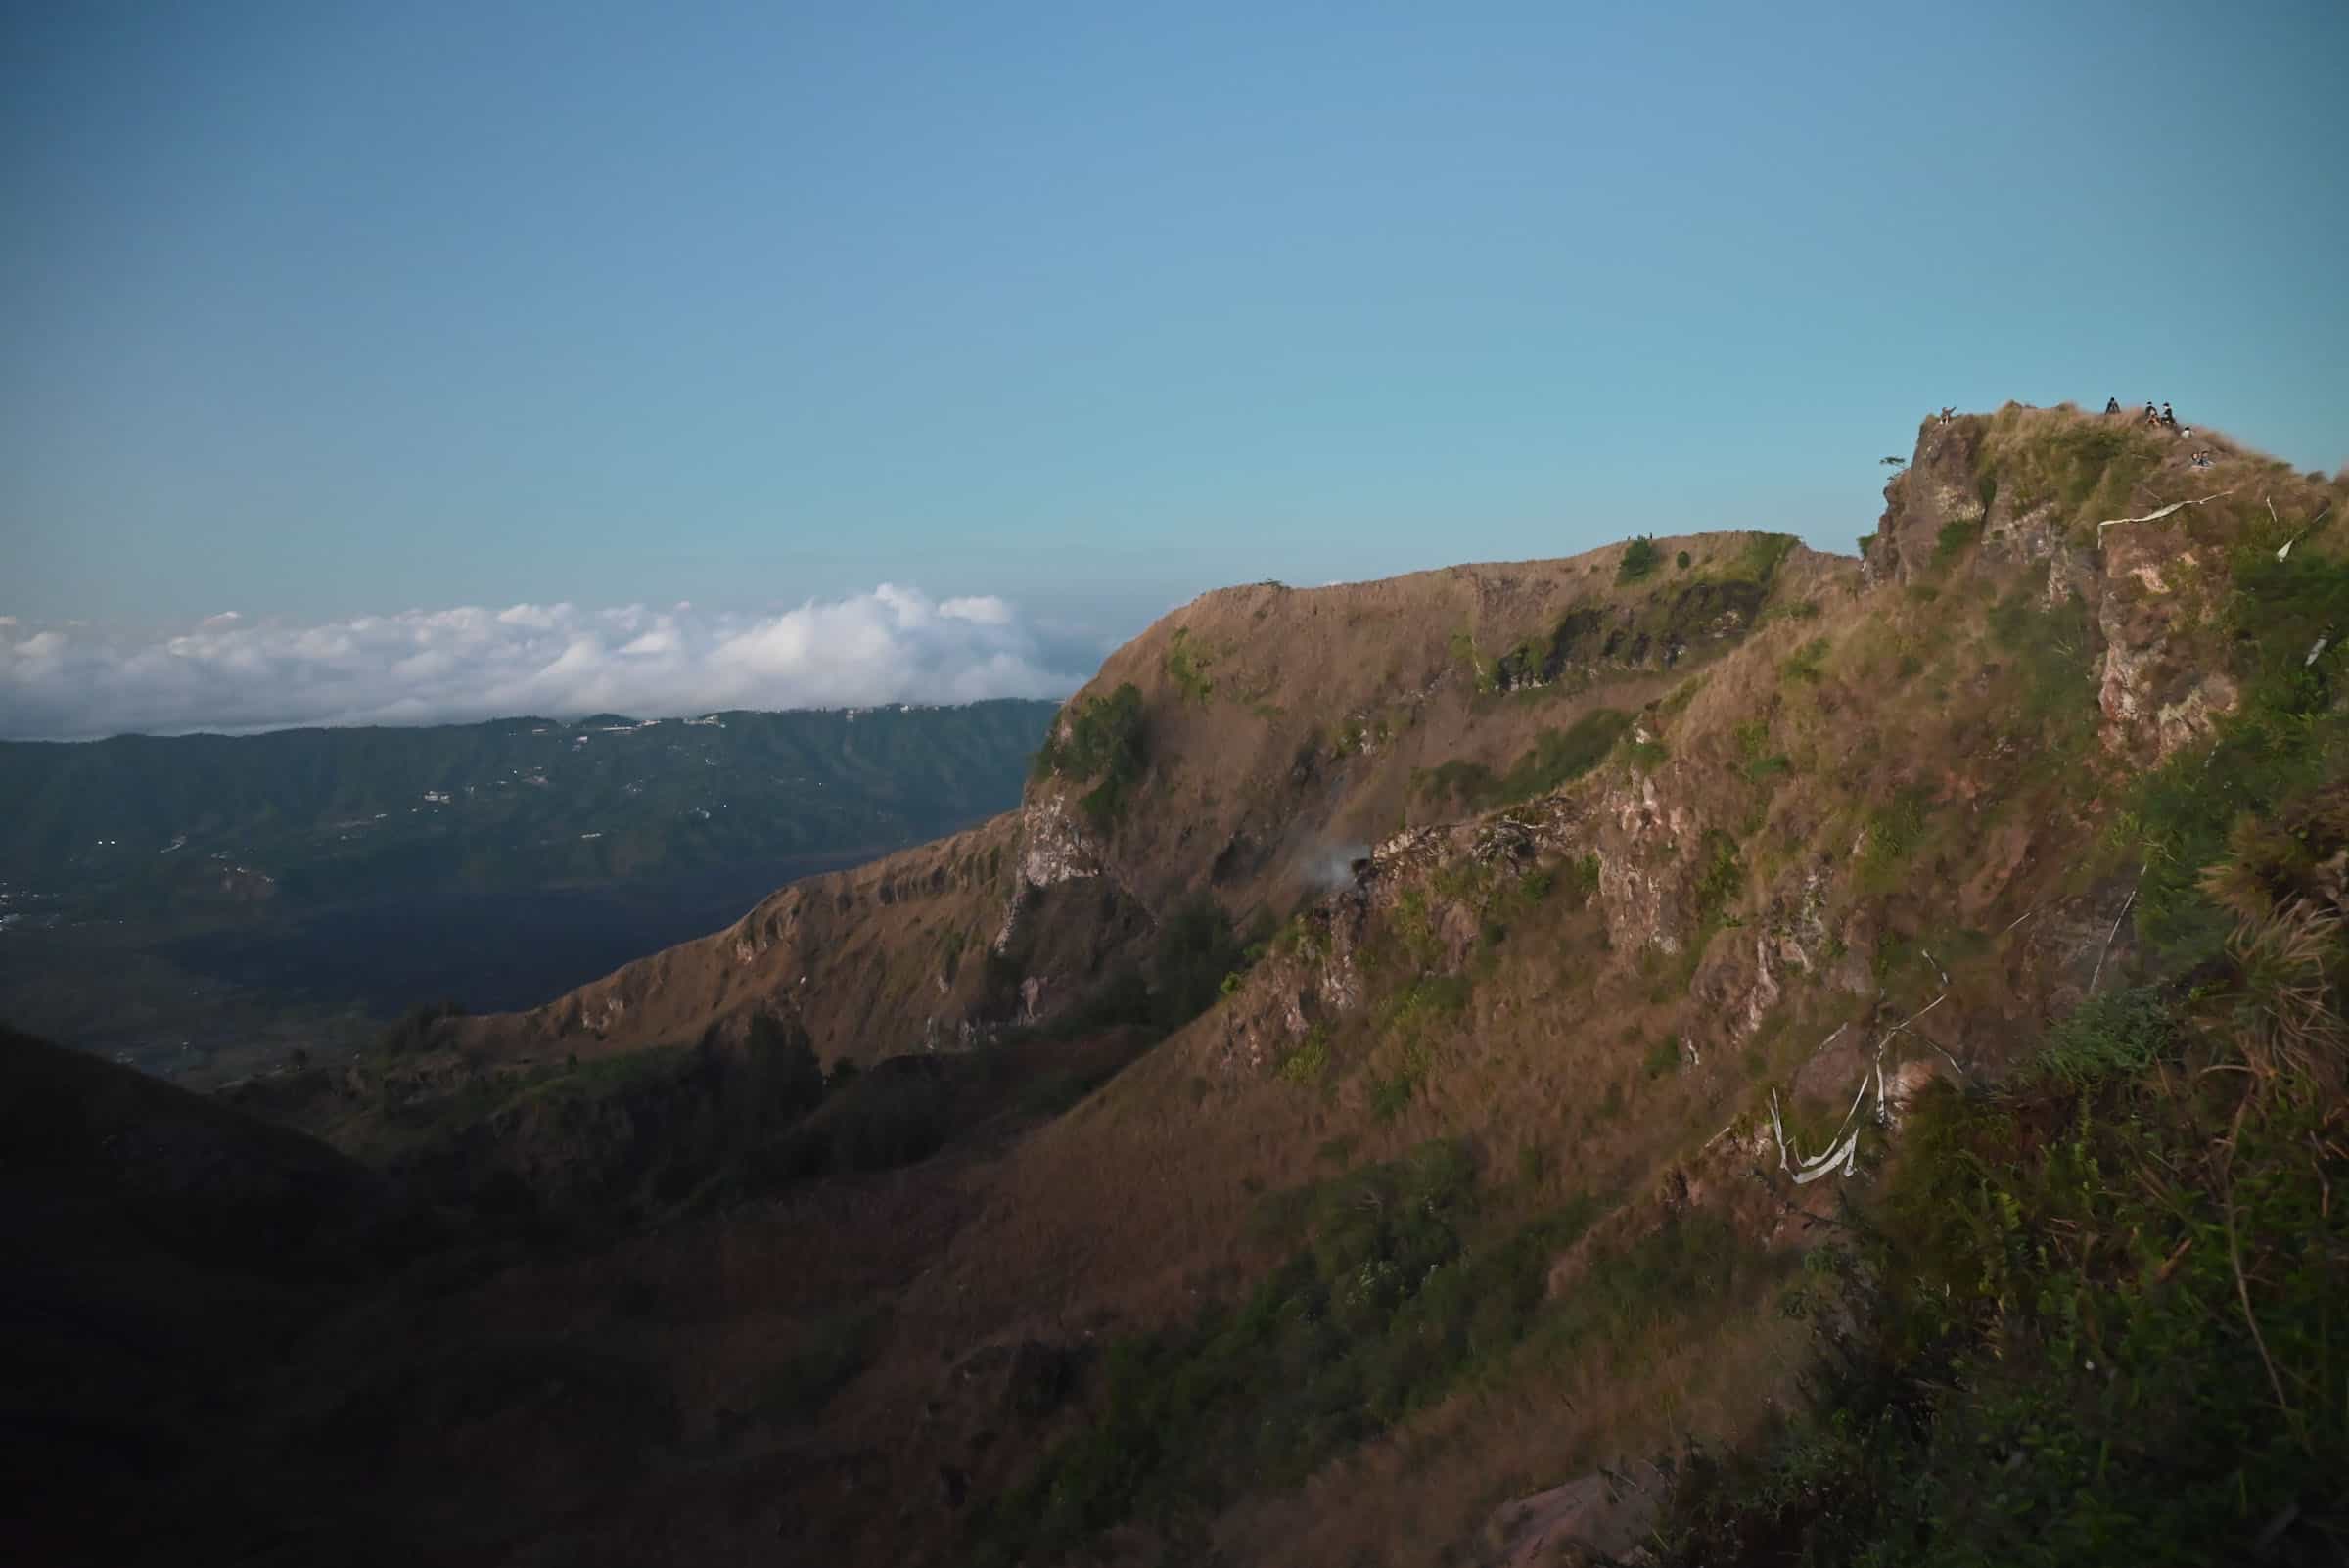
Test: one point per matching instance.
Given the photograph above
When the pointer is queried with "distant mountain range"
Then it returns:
(324, 813)
(267, 859)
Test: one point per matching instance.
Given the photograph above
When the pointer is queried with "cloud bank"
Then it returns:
(231, 672)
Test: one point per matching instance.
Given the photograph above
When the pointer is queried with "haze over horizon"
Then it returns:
(378, 365)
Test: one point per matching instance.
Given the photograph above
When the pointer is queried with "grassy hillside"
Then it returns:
(1691, 1050)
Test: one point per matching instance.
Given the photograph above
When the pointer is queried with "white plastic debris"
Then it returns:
(2157, 516)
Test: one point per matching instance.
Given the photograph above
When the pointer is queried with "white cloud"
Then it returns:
(238, 672)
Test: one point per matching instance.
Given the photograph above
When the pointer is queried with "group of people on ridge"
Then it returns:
(2155, 416)
(2161, 416)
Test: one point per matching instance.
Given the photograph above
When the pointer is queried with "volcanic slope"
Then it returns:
(1611, 916)
(1273, 735)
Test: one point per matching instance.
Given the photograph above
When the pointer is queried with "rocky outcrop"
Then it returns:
(2155, 697)
(1599, 1518)
(1053, 848)
(1937, 488)
(1642, 880)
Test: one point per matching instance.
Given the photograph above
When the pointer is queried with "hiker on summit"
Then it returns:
(1946, 414)
(2168, 418)
(2152, 414)
(2112, 405)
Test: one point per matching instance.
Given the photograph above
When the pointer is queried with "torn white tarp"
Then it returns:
(1844, 1151)
(2157, 516)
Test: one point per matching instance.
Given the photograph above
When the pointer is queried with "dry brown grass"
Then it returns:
(1418, 1495)
(1129, 1212)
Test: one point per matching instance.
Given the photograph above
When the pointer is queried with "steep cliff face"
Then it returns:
(2130, 520)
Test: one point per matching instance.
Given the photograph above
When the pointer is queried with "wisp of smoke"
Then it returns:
(1331, 866)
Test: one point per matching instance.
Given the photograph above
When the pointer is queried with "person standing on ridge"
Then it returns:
(2168, 418)
(2112, 405)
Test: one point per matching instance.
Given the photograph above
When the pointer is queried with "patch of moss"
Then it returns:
(1103, 741)
(1187, 665)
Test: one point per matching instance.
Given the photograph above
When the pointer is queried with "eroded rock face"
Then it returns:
(2155, 697)
(1641, 880)
(1936, 489)
(1601, 1517)
(1053, 848)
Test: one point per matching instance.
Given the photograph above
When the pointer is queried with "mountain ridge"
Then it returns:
(1273, 856)
(1513, 1034)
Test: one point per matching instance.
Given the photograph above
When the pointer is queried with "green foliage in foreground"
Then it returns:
(2289, 735)
(2059, 1363)
(1395, 1296)
(2102, 1311)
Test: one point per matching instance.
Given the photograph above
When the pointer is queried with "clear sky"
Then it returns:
(315, 311)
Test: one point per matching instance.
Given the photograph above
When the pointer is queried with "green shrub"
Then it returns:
(1755, 760)
(1186, 666)
(2098, 1322)
(1557, 757)
(1390, 1298)
(1759, 560)
(1308, 1063)
(1681, 560)
(1955, 540)
(1641, 557)
(1485, 672)
(1807, 663)
(2113, 1035)
(1197, 948)
(1106, 744)
(2289, 735)
(1722, 878)
(1895, 830)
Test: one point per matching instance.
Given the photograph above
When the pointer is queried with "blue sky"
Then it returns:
(313, 311)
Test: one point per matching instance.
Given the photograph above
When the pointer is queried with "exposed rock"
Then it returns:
(1643, 900)
(1937, 488)
(1053, 848)
(1601, 1517)
(2153, 696)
